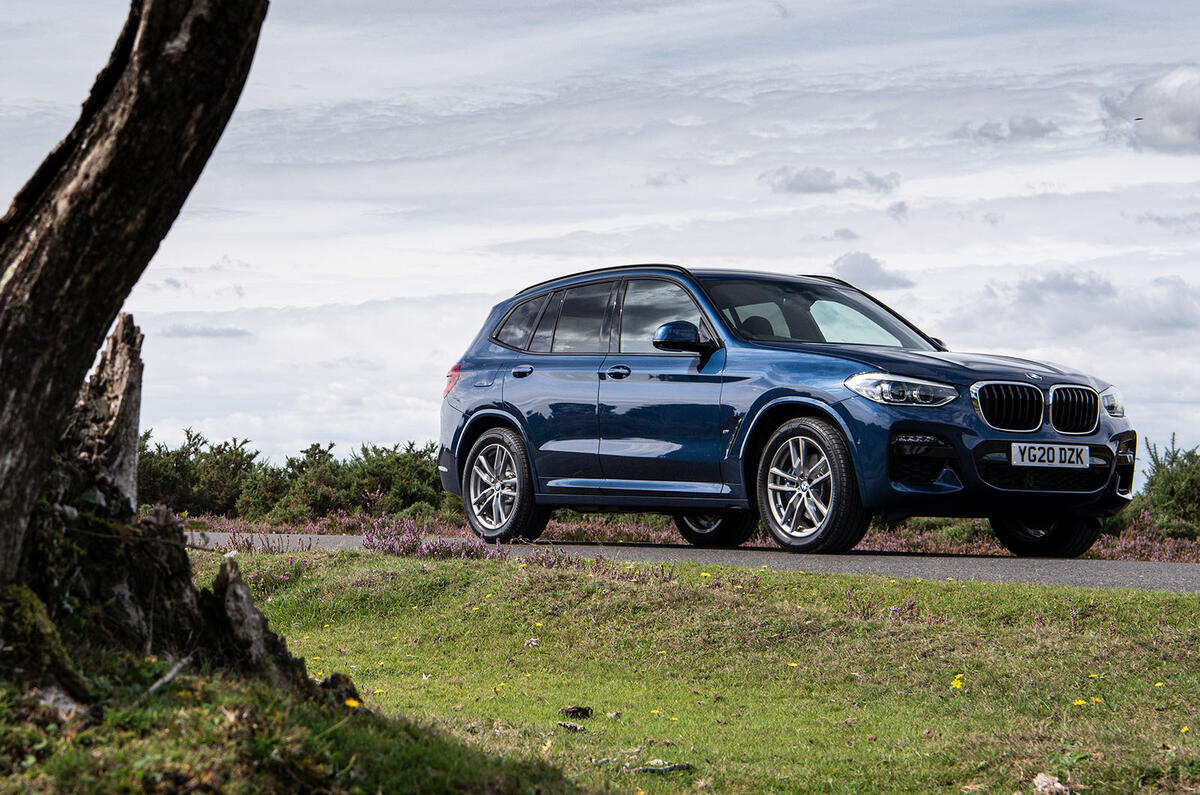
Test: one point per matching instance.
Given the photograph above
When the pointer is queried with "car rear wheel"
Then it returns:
(498, 490)
(717, 529)
(807, 492)
(1047, 538)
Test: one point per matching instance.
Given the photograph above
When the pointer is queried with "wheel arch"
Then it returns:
(480, 423)
(769, 418)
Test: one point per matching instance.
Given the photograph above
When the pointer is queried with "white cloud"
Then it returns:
(814, 179)
(1025, 128)
(1162, 113)
(867, 273)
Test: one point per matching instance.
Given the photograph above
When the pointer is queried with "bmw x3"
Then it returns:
(726, 397)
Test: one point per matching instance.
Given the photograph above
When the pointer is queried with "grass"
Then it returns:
(760, 681)
(214, 733)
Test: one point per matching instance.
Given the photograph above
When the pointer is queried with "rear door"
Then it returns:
(554, 385)
(659, 412)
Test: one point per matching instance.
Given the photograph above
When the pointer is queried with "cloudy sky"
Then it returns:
(395, 168)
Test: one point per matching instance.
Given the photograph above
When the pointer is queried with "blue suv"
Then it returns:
(723, 396)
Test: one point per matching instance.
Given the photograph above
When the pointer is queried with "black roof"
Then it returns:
(719, 272)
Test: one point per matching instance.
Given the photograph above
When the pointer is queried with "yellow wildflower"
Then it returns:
(1159, 684)
(653, 712)
(1184, 730)
(1093, 676)
(353, 703)
(1079, 702)
(674, 718)
(705, 574)
(793, 665)
(662, 651)
(1097, 700)
(378, 690)
(537, 623)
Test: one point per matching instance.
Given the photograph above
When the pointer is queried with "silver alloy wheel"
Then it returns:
(702, 523)
(800, 487)
(493, 486)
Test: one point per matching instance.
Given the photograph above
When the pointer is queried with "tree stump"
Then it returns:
(110, 578)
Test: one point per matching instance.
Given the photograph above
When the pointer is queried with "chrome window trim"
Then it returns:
(975, 387)
(1050, 409)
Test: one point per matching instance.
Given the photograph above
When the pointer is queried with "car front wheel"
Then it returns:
(498, 490)
(1047, 538)
(807, 492)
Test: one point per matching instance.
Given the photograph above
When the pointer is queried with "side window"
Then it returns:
(544, 335)
(842, 323)
(648, 304)
(582, 319)
(760, 321)
(519, 326)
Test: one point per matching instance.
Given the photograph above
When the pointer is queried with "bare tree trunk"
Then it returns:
(82, 230)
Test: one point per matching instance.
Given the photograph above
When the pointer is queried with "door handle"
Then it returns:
(522, 370)
(618, 372)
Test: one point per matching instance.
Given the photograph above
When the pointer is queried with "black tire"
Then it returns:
(717, 529)
(844, 522)
(511, 514)
(1047, 538)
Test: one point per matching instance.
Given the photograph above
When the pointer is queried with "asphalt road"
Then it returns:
(1177, 577)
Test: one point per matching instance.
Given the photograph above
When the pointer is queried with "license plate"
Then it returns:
(1063, 456)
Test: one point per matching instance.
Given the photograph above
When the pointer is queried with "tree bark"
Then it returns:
(82, 230)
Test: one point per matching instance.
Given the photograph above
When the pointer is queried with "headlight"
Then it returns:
(898, 390)
(1113, 402)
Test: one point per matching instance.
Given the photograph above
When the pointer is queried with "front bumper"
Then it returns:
(947, 462)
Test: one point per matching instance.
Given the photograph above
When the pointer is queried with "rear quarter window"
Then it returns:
(518, 326)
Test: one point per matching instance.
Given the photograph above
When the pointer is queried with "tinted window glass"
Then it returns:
(519, 326)
(582, 319)
(545, 330)
(794, 311)
(648, 304)
(841, 323)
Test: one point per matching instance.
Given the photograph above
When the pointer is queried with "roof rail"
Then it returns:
(833, 279)
(676, 268)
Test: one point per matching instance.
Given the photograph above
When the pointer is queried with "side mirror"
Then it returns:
(679, 335)
(941, 345)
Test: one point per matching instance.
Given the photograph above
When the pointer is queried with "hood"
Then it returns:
(951, 366)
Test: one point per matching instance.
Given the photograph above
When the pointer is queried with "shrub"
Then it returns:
(196, 477)
(1172, 492)
(227, 479)
(388, 479)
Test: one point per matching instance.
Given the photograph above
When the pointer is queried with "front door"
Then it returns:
(659, 414)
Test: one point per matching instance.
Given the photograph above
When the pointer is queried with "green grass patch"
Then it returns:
(210, 733)
(760, 681)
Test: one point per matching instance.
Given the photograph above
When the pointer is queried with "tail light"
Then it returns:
(451, 378)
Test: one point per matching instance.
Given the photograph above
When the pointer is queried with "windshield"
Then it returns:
(785, 311)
